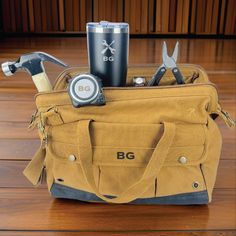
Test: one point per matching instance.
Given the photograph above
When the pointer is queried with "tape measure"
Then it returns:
(86, 89)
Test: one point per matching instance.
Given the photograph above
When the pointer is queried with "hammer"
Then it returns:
(33, 64)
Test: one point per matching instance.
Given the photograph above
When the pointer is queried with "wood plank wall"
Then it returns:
(200, 17)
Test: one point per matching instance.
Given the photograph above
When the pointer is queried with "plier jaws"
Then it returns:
(168, 63)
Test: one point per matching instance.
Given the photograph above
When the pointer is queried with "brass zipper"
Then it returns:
(230, 122)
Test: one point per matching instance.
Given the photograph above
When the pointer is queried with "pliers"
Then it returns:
(168, 63)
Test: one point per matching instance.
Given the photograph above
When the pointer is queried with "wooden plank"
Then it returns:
(144, 17)
(226, 90)
(102, 6)
(226, 175)
(21, 83)
(114, 10)
(55, 15)
(18, 15)
(108, 11)
(31, 15)
(179, 14)
(209, 15)
(228, 150)
(120, 14)
(186, 12)
(215, 17)
(44, 15)
(159, 17)
(6, 15)
(230, 18)
(13, 17)
(165, 16)
(119, 7)
(133, 16)
(151, 16)
(52, 12)
(41, 212)
(83, 15)
(37, 16)
(61, 15)
(16, 94)
(49, 15)
(1, 16)
(173, 15)
(76, 15)
(16, 130)
(69, 15)
(95, 10)
(233, 26)
(127, 13)
(200, 18)
(18, 149)
(11, 171)
(23, 110)
(89, 11)
(193, 17)
(137, 15)
(114, 233)
(25, 16)
(222, 16)
(12, 175)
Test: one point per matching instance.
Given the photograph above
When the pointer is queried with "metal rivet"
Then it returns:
(183, 160)
(195, 184)
(72, 157)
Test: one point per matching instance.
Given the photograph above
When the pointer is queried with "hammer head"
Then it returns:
(31, 62)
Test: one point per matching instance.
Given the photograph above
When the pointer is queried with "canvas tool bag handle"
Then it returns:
(153, 167)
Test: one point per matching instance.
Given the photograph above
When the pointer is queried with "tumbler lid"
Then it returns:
(107, 27)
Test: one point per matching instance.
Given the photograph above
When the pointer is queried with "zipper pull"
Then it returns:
(32, 122)
(230, 122)
(44, 141)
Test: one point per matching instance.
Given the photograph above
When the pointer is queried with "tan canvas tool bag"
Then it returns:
(156, 145)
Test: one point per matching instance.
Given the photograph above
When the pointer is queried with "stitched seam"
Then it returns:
(133, 99)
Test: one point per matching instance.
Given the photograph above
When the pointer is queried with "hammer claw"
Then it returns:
(47, 57)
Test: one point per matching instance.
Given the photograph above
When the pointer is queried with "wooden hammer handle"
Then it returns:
(42, 82)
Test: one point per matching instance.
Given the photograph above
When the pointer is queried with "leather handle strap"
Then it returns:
(137, 189)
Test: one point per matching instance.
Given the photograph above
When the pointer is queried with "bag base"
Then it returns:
(196, 198)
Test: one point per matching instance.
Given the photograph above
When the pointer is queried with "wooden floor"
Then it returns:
(25, 210)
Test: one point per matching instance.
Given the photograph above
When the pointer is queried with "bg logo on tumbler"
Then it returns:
(108, 48)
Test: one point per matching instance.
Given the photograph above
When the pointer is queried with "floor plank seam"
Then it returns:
(119, 231)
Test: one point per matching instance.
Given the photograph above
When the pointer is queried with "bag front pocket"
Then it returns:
(120, 154)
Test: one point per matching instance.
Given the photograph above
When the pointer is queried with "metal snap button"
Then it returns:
(183, 160)
(72, 157)
(195, 184)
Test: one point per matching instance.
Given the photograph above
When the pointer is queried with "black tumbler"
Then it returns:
(108, 45)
